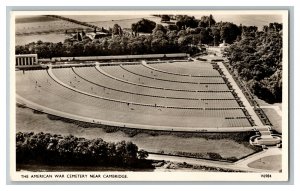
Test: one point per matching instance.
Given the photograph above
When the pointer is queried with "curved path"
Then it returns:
(269, 152)
(237, 166)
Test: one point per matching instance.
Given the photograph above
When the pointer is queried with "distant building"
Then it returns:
(101, 35)
(80, 36)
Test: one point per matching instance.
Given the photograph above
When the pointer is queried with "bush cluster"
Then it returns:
(61, 150)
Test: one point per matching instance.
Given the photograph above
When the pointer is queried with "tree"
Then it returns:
(205, 36)
(136, 47)
(144, 25)
(21, 50)
(172, 27)
(229, 32)
(117, 30)
(165, 18)
(185, 40)
(275, 27)
(184, 21)
(249, 30)
(159, 45)
(159, 28)
(207, 21)
(131, 150)
(142, 154)
(77, 49)
(215, 33)
(134, 28)
(114, 47)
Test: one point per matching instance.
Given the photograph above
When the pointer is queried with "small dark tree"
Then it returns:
(143, 25)
(142, 154)
(165, 18)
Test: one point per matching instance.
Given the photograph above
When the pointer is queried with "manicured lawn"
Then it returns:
(272, 162)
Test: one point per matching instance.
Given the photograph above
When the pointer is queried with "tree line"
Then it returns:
(144, 37)
(257, 59)
(55, 149)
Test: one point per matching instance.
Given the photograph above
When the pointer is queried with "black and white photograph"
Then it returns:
(180, 95)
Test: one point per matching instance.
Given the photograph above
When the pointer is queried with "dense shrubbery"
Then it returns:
(70, 150)
(206, 168)
(257, 59)
(143, 25)
(208, 155)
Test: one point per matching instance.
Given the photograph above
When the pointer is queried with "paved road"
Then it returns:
(214, 164)
(269, 152)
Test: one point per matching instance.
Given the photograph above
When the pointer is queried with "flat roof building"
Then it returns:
(26, 60)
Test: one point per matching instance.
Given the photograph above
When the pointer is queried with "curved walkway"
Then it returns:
(269, 152)
(215, 164)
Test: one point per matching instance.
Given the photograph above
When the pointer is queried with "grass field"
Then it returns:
(263, 103)
(275, 119)
(52, 37)
(107, 21)
(272, 162)
(28, 121)
(46, 26)
(33, 18)
(38, 24)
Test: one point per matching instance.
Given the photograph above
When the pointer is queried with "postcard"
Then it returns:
(136, 95)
